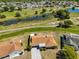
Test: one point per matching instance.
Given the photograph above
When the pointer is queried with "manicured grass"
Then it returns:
(74, 14)
(10, 15)
(69, 30)
(28, 12)
(24, 13)
(29, 23)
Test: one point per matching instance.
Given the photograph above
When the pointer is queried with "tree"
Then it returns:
(73, 8)
(67, 52)
(17, 14)
(5, 8)
(43, 11)
(11, 8)
(28, 44)
(19, 8)
(36, 12)
(2, 16)
(65, 5)
(50, 10)
(65, 24)
(62, 14)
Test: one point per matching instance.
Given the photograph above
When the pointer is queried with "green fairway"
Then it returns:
(24, 13)
(40, 29)
(30, 12)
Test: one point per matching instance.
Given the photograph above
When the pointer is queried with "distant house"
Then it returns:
(43, 40)
(48, 4)
(77, 4)
(11, 49)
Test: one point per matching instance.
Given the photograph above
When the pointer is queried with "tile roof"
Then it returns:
(9, 46)
(47, 39)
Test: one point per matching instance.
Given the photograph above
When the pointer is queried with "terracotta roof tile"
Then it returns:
(8, 47)
(48, 39)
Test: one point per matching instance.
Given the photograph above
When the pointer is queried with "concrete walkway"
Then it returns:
(35, 53)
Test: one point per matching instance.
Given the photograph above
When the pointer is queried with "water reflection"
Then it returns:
(15, 21)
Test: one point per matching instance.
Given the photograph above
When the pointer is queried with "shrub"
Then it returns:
(73, 8)
(62, 14)
(53, 12)
(42, 49)
(28, 48)
(64, 5)
(19, 8)
(65, 24)
(17, 14)
(69, 22)
(60, 55)
(43, 16)
(43, 11)
(36, 12)
(67, 52)
(50, 10)
(2, 16)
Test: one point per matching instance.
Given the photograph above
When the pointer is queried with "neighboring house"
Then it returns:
(10, 49)
(43, 40)
(71, 40)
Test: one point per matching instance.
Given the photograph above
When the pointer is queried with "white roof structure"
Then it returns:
(75, 35)
(31, 34)
(42, 45)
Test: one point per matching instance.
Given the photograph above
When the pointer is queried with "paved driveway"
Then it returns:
(35, 53)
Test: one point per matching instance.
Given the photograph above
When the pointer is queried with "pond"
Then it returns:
(15, 21)
(71, 10)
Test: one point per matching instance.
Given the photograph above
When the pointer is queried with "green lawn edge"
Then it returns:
(40, 29)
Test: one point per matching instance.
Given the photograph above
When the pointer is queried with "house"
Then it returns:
(70, 40)
(10, 49)
(43, 40)
(77, 4)
(48, 4)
